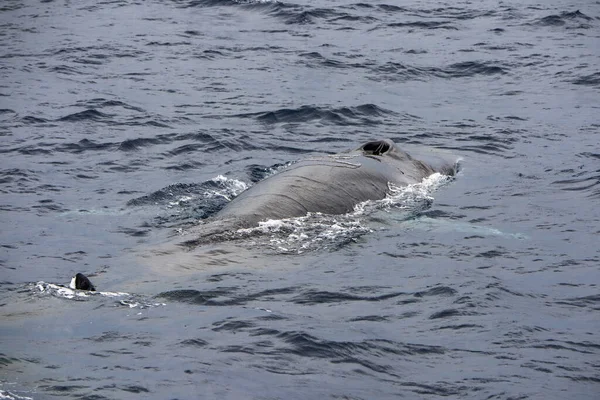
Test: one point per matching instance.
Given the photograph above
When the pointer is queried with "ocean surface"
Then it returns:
(125, 124)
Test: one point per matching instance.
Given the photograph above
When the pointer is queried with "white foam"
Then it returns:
(231, 187)
(68, 293)
(317, 230)
(124, 299)
(405, 196)
(179, 201)
(6, 395)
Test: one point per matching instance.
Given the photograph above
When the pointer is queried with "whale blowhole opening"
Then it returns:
(376, 148)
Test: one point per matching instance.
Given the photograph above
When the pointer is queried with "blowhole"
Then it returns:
(376, 148)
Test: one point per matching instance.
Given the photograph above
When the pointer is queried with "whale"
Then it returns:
(324, 183)
(330, 184)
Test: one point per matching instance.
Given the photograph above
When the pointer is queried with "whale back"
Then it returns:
(331, 184)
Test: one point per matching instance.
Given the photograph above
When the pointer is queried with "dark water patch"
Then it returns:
(194, 148)
(353, 18)
(62, 389)
(332, 139)
(211, 54)
(221, 277)
(461, 326)
(17, 175)
(590, 155)
(451, 312)
(583, 378)
(316, 60)
(585, 182)
(472, 68)
(588, 80)
(233, 326)
(104, 103)
(65, 69)
(169, 44)
(414, 51)
(109, 336)
(444, 389)
(82, 116)
(83, 176)
(30, 150)
(221, 296)
(264, 332)
(318, 297)
(7, 360)
(301, 16)
(423, 25)
(364, 114)
(135, 389)
(440, 214)
(552, 344)
(306, 345)
(185, 166)
(144, 121)
(137, 144)
(369, 318)
(193, 33)
(487, 149)
(49, 207)
(491, 254)
(84, 145)
(404, 72)
(497, 288)
(387, 8)
(213, 3)
(444, 291)
(87, 61)
(592, 301)
(193, 343)
(565, 19)
(7, 115)
(29, 119)
(134, 232)
(585, 345)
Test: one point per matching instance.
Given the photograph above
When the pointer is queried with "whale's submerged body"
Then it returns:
(331, 184)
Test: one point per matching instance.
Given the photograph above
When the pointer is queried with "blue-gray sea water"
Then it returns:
(125, 124)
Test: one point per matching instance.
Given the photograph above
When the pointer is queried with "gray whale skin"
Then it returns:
(331, 184)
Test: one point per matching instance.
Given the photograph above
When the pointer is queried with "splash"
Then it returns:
(123, 299)
(411, 197)
(68, 293)
(317, 231)
(218, 187)
(6, 395)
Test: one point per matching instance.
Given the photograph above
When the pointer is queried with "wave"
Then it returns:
(364, 114)
(565, 18)
(588, 80)
(421, 25)
(84, 145)
(316, 60)
(588, 183)
(86, 115)
(403, 72)
(582, 180)
(190, 201)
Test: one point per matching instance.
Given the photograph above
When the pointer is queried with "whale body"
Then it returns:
(330, 184)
